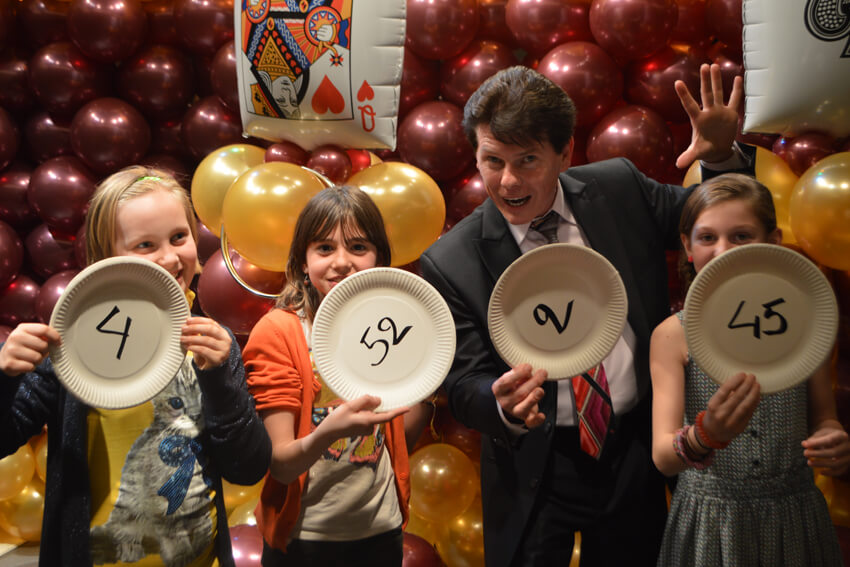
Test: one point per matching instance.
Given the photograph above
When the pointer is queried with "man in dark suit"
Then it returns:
(538, 486)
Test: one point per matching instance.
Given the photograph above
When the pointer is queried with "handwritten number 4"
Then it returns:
(396, 337)
(124, 334)
(756, 324)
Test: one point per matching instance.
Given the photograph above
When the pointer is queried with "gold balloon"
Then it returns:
(40, 452)
(443, 482)
(214, 175)
(411, 205)
(244, 513)
(16, 471)
(260, 210)
(463, 543)
(432, 532)
(236, 495)
(21, 515)
(374, 159)
(820, 211)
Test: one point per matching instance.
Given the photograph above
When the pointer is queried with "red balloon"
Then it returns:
(11, 254)
(209, 125)
(10, 139)
(649, 81)
(223, 76)
(417, 552)
(48, 256)
(204, 25)
(420, 82)
(158, 81)
(162, 27)
(634, 132)
(208, 243)
(109, 134)
(724, 20)
(464, 73)
(15, 208)
(803, 151)
(588, 74)
(224, 300)
(17, 301)
(167, 138)
(247, 544)
(107, 30)
(59, 191)
(44, 21)
(63, 79)
(630, 29)
(331, 161)
(467, 198)
(289, 152)
(492, 22)
(50, 292)
(15, 93)
(439, 29)
(360, 160)
(539, 25)
(431, 138)
(690, 25)
(450, 187)
(47, 137)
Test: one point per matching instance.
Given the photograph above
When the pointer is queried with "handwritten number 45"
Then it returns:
(396, 337)
(782, 324)
(123, 334)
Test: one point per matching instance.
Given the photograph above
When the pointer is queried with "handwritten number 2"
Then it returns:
(756, 324)
(396, 337)
(124, 334)
(549, 315)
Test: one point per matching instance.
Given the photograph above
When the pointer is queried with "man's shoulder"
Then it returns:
(460, 235)
(610, 167)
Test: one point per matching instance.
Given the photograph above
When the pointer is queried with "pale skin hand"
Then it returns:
(518, 392)
(714, 125)
(730, 408)
(828, 447)
(26, 346)
(208, 341)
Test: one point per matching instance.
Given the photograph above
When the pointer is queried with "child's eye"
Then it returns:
(324, 248)
(705, 238)
(359, 247)
(743, 237)
(179, 237)
(144, 245)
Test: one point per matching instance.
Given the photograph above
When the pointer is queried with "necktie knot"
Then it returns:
(547, 225)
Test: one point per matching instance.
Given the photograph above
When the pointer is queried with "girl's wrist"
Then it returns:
(682, 448)
(703, 437)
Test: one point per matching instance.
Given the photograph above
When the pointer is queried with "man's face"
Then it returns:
(521, 180)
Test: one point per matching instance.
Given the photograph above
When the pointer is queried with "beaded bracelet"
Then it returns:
(680, 445)
(703, 437)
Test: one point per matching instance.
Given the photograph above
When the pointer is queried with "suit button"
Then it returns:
(548, 426)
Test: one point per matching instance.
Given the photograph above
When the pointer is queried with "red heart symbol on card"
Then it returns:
(365, 92)
(328, 98)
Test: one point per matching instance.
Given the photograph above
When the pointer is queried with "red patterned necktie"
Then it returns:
(593, 408)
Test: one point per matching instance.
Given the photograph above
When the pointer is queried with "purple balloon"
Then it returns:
(47, 137)
(109, 134)
(107, 30)
(48, 256)
(17, 301)
(11, 254)
(15, 207)
(50, 292)
(63, 79)
(10, 139)
(60, 190)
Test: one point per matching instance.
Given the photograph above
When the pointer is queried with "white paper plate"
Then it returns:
(560, 307)
(120, 322)
(763, 309)
(384, 332)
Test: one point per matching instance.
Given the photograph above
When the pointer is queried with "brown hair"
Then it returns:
(346, 206)
(521, 106)
(129, 183)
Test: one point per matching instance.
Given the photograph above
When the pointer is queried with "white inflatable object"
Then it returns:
(797, 66)
(319, 72)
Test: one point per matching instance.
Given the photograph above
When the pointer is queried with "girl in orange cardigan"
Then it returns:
(338, 487)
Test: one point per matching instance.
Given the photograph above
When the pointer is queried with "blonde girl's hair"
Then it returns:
(118, 188)
(343, 205)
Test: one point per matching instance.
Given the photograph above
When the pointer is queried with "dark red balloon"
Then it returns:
(588, 74)
(15, 93)
(15, 207)
(456, 434)
(649, 81)
(803, 151)
(630, 29)
(109, 134)
(7, 23)
(158, 80)
(690, 25)
(461, 75)
(80, 247)
(467, 198)
(11, 254)
(47, 137)
(49, 293)
(180, 171)
(209, 125)
(331, 161)
(439, 29)
(208, 243)
(360, 160)
(44, 21)
(247, 545)
(450, 187)
(416, 552)
(60, 189)
(17, 301)
(107, 30)
(420, 82)
(167, 138)
(724, 20)
(162, 28)
(10, 139)
(540, 25)
(63, 79)
(636, 133)
(431, 138)
(4, 333)
(47, 255)
(289, 152)
(730, 64)
(223, 76)
(204, 25)
(492, 22)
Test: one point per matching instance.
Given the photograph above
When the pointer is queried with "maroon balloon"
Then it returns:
(208, 243)
(17, 301)
(4, 333)
(204, 25)
(80, 254)
(420, 82)
(331, 161)
(15, 207)
(461, 75)
(634, 132)
(492, 22)
(162, 28)
(456, 434)
(360, 160)
(431, 138)
(63, 79)
(107, 30)
(209, 125)
(439, 29)
(803, 151)
(630, 29)
(7, 23)
(588, 74)
(167, 138)
(15, 93)
(10, 139)
(690, 25)
(649, 81)
(223, 76)
(43, 21)
(289, 152)
(725, 21)
(60, 189)
(180, 171)
(47, 137)
(247, 545)
(731, 66)
(540, 25)
(466, 199)
(224, 300)
(417, 552)
(109, 134)
(48, 256)
(11, 254)
(158, 81)
(50, 292)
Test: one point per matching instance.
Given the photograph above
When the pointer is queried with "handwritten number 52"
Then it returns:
(756, 324)
(123, 334)
(396, 337)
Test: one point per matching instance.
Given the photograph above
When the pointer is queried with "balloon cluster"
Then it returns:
(22, 476)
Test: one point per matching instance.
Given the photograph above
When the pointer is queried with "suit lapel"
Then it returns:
(497, 246)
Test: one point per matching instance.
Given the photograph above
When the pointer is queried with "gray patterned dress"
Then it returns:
(757, 504)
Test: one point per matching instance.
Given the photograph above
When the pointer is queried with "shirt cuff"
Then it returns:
(738, 160)
(515, 429)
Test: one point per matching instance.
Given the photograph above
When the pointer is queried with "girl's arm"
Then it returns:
(828, 447)
(415, 421)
